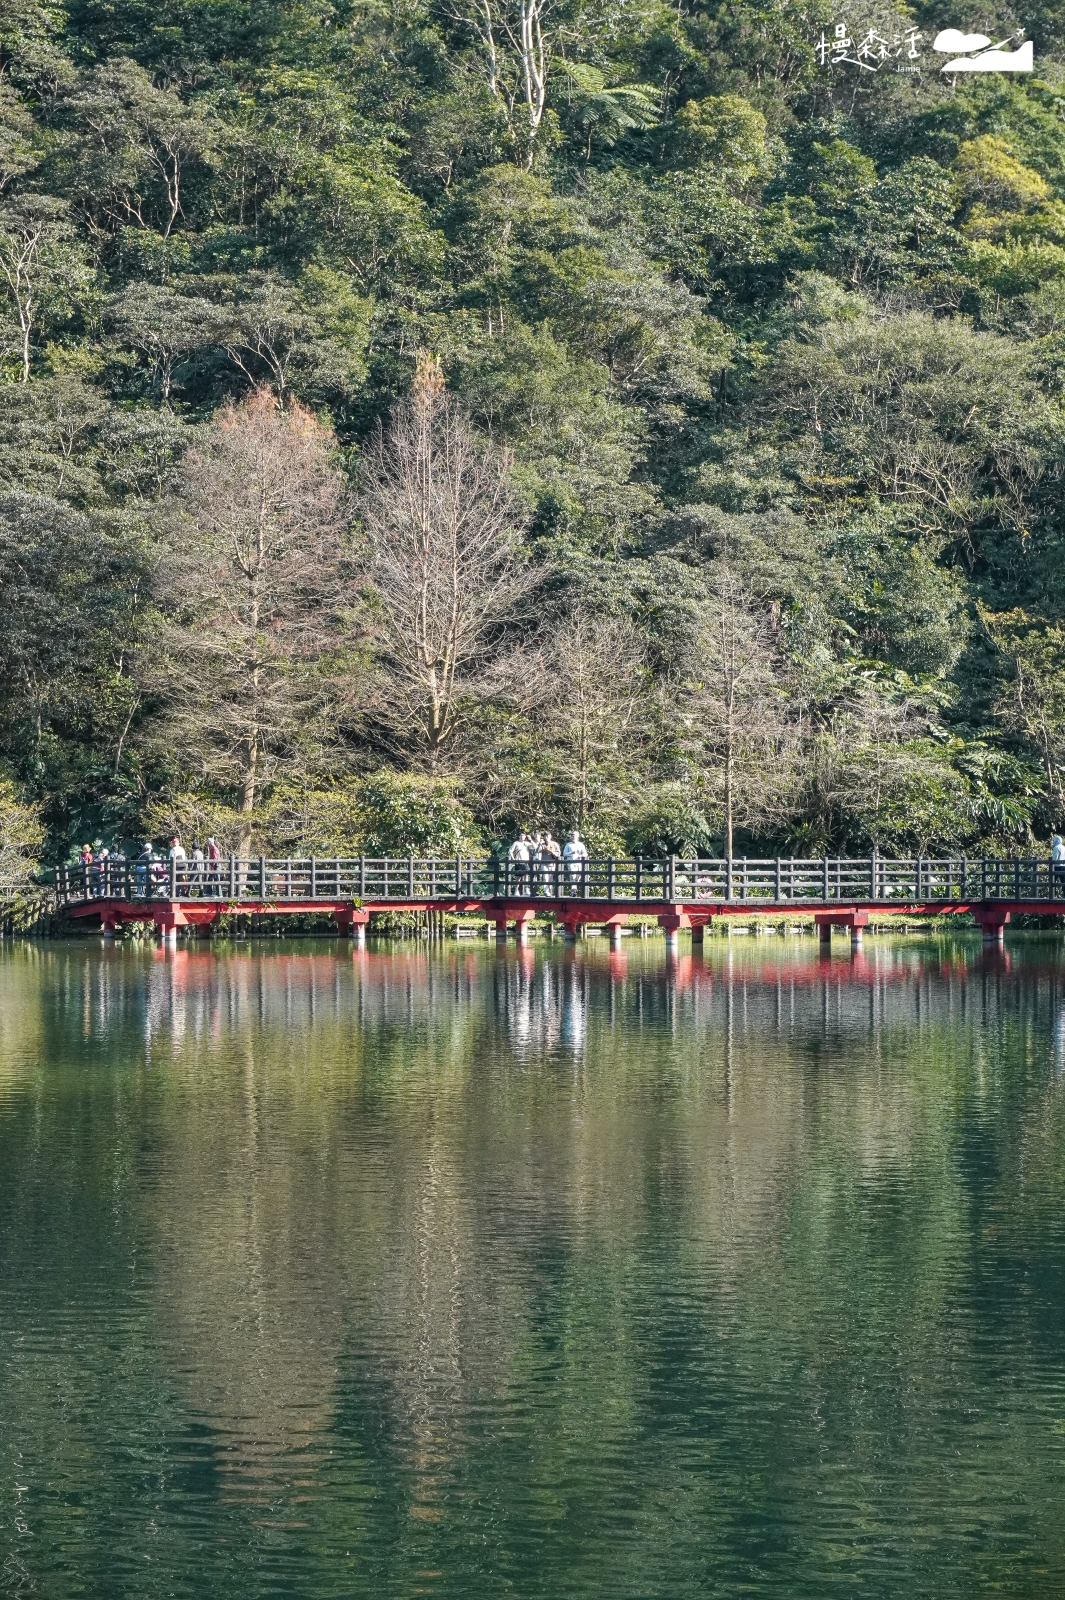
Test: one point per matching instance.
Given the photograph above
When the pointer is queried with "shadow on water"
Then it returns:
(551, 1271)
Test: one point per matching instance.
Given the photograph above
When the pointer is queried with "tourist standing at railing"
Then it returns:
(177, 856)
(1057, 856)
(158, 876)
(140, 869)
(116, 874)
(575, 854)
(101, 872)
(519, 855)
(196, 871)
(214, 871)
(549, 856)
(536, 871)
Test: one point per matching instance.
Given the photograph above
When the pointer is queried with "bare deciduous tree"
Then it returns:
(738, 700)
(597, 669)
(443, 521)
(250, 588)
(21, 836)
(1032, 703)
(571, 738)
(866, 775)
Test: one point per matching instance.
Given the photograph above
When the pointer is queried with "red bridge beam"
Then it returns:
(169, 915)
(599, 912)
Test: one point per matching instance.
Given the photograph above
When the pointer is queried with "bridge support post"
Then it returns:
(521, 926)
(351, 923)
(671, 923)
(992, 924)
(853, 921)
(615, 936)
(168, 919)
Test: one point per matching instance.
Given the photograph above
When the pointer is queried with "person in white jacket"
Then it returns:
(575, 854)
(520, 853)
(178, 855)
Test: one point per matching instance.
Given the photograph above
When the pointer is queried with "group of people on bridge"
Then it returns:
(198, 874)
(539, 864)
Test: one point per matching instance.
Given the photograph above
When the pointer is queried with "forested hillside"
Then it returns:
(421, 418)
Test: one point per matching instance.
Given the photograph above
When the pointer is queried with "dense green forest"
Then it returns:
(422, 418)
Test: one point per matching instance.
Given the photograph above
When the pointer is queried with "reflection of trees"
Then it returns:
(455, 1259)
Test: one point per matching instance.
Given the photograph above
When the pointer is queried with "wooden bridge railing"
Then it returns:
(270, 879)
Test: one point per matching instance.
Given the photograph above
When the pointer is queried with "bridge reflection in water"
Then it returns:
(426, 1234)
(544, 996)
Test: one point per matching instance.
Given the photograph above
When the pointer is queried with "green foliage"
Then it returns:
(911, 612)
(727, 134)
(605, 111)
(401, 814)
(671, 822)
(1032, 699)
(22, 835)
(838, 173)
(715, 302)
(386, 814)
(991, 176)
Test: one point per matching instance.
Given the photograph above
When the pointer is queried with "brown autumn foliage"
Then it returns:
(251, 589)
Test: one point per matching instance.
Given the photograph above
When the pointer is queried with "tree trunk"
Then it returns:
(246, 798)
(584, 762)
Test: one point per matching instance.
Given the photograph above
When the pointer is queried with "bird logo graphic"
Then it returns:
(970, 52)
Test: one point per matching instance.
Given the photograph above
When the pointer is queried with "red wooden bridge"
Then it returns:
(678, 894)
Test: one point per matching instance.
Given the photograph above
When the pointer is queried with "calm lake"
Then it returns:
(550, 1272)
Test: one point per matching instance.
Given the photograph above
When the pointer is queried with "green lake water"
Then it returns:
(542, 1273)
